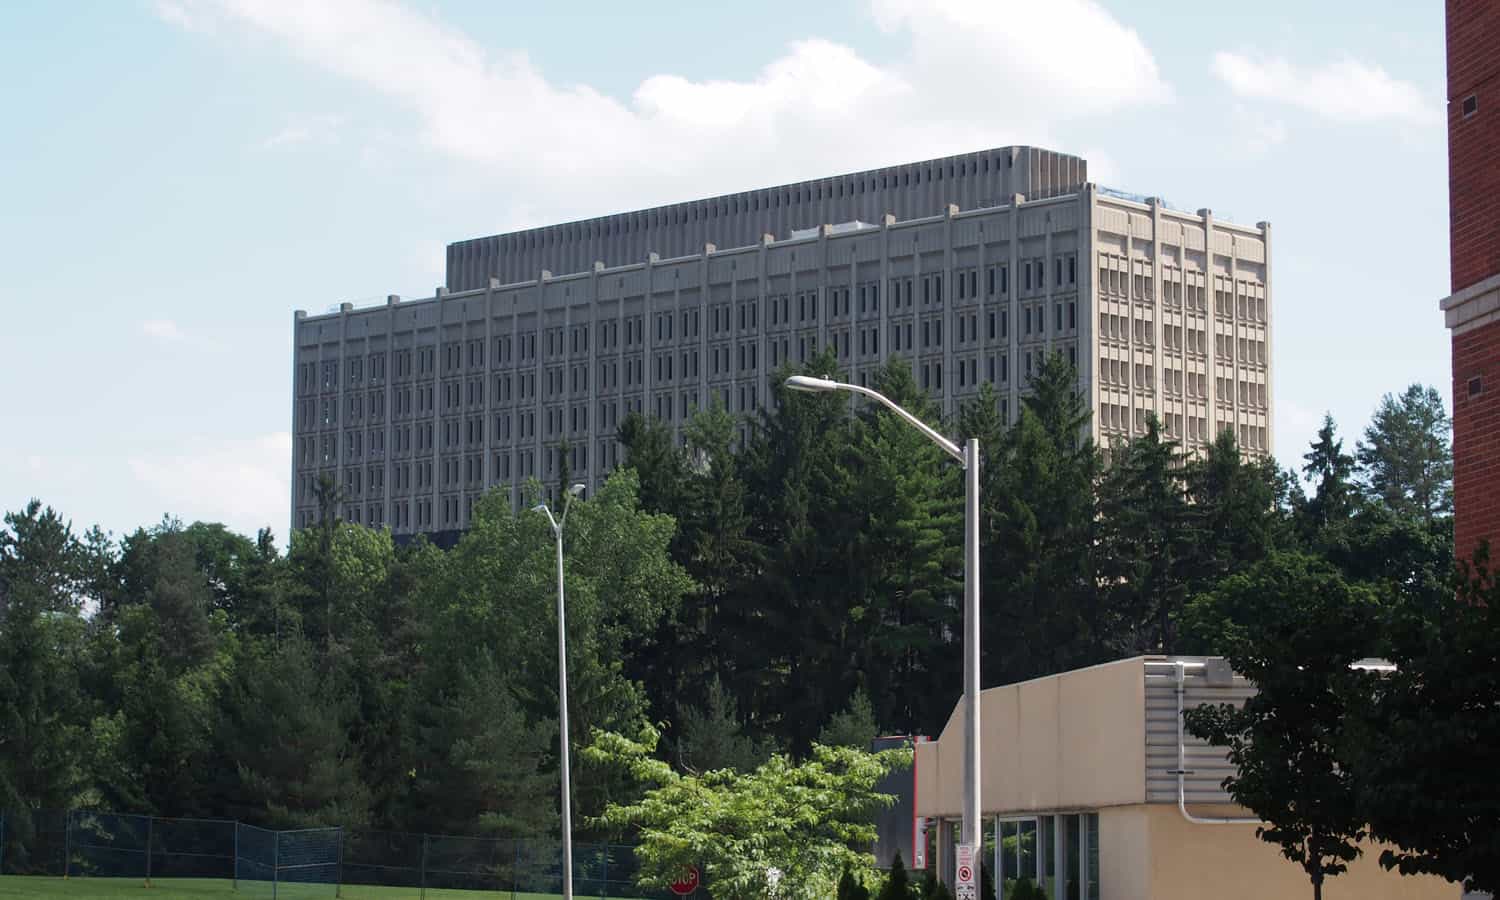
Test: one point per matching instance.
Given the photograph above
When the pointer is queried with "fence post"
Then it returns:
(338, 872)
(67, 843)
(2, 843)
(236, 855)
(275, 862)
(604, 875)
(424, 866)
(150, 823)
(515, 870)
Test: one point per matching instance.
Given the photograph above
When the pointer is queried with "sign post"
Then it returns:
(966, 885)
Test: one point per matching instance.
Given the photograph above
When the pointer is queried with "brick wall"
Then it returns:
(1476, 440)
(1474, 249)
(1474, 142)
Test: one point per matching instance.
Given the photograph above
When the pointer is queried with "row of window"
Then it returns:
(1239, 299)
(559, 341)
(522, 425)
(1114, 417)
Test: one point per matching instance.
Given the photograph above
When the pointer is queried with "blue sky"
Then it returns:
(177, 176)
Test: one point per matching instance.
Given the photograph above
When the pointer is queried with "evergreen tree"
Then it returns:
(786, 645)
(1042, 606)
(476, 759)
(850, 888)
(1150, 537)
(1239, 516)
(1331, 472)
(713, 737)
(713, 544)
(1406, 458)
(853, 726)
(286, 727)
(932, 887)
(657, 462)
(180, 598)
(898, 524)
(42, 645)
(897, 885)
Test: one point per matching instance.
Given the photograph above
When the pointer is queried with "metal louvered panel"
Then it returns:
(1207, 766)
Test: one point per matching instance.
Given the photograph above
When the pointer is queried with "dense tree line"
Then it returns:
(192, 671)
(749, 587)
(825, 544)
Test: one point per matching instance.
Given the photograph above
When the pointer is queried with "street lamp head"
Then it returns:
(576, 490)
(540, 507)
(810, 384)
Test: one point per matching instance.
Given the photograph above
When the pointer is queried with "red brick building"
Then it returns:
(1473, 309)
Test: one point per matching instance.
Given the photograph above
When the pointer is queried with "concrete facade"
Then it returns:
(1472, 311)
(416, 408)
(1080, 781)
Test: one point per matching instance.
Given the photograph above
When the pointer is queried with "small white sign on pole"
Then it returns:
(966, 885)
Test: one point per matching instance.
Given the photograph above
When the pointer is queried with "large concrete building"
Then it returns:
(1473, 307)
(970, 267)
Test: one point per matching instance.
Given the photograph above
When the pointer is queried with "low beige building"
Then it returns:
(1090, 786)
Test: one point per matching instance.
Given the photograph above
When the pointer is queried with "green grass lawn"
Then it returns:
(195, 888)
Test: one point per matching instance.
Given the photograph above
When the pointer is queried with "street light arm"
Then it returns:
(948, 446)
(546, 511)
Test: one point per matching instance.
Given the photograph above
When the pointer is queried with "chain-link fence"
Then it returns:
(442, 864)
(309, 863)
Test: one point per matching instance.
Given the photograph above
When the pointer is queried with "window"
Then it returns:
(1470, 105)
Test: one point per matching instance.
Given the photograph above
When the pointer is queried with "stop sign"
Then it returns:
(687, 883)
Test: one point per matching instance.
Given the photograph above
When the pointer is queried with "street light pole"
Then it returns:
(971, 827)
(562, 693)
(968, 457)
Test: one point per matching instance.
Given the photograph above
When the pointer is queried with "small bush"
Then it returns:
(897, 886)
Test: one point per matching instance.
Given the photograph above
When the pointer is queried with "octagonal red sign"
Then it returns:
(687, 883)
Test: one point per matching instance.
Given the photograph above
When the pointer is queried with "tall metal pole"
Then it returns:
(968, 457)
(562, 715)
(971, 833)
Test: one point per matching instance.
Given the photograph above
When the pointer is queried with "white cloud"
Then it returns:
(169, 332)
(315, 130)
(243, 483)
(1056, 60)
(975, 73)
(163, 330)
(177, 14)
(1254, 133)
(1343, 91)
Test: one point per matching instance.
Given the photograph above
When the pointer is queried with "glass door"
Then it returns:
(1015, 850)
